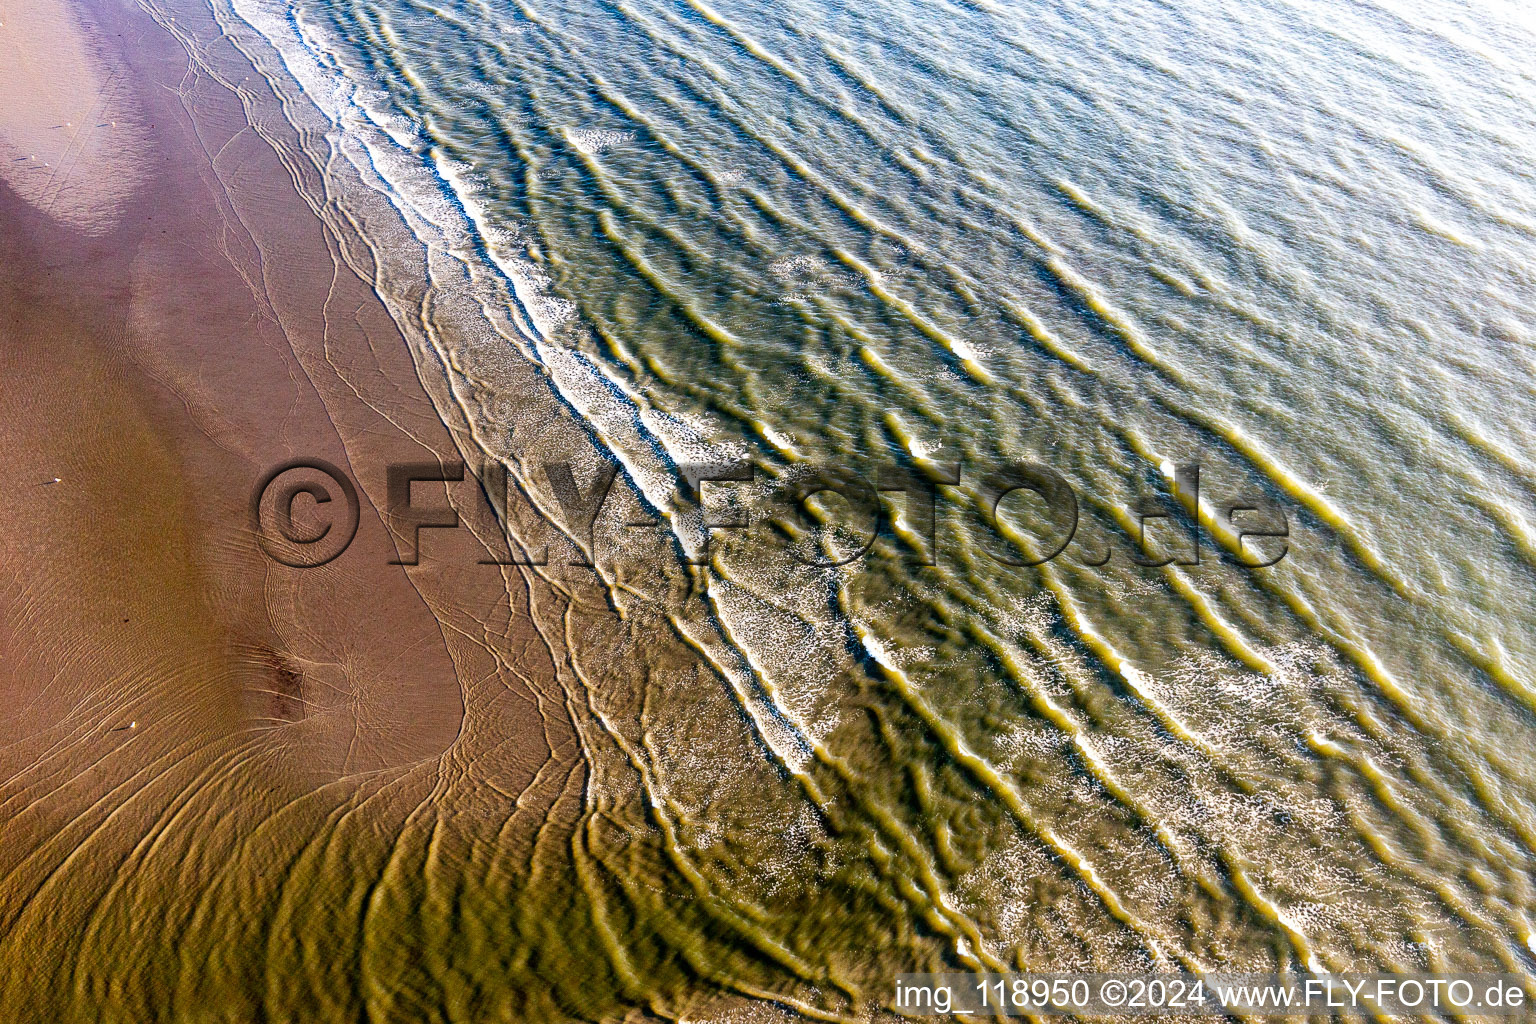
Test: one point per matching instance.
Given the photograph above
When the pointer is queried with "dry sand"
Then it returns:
(73, 138)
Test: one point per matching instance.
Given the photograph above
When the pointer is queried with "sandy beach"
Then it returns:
(182, 716)
(1229, 306)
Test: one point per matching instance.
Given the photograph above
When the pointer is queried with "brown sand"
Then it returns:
(73, 139)
(173, 325)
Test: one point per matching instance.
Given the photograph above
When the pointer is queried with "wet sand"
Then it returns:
(786, 233)
(180, 716)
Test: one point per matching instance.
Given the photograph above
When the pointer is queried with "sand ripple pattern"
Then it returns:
(1293, 244)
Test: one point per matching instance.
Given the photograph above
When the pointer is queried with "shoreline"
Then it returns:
(367, 790)
(178, 706)
(747, 751)
(364, 790)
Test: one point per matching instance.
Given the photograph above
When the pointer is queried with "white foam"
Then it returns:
(780, 441)
(924, 449)
(593, 141)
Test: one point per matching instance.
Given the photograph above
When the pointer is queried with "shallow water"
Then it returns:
(1292, 244)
